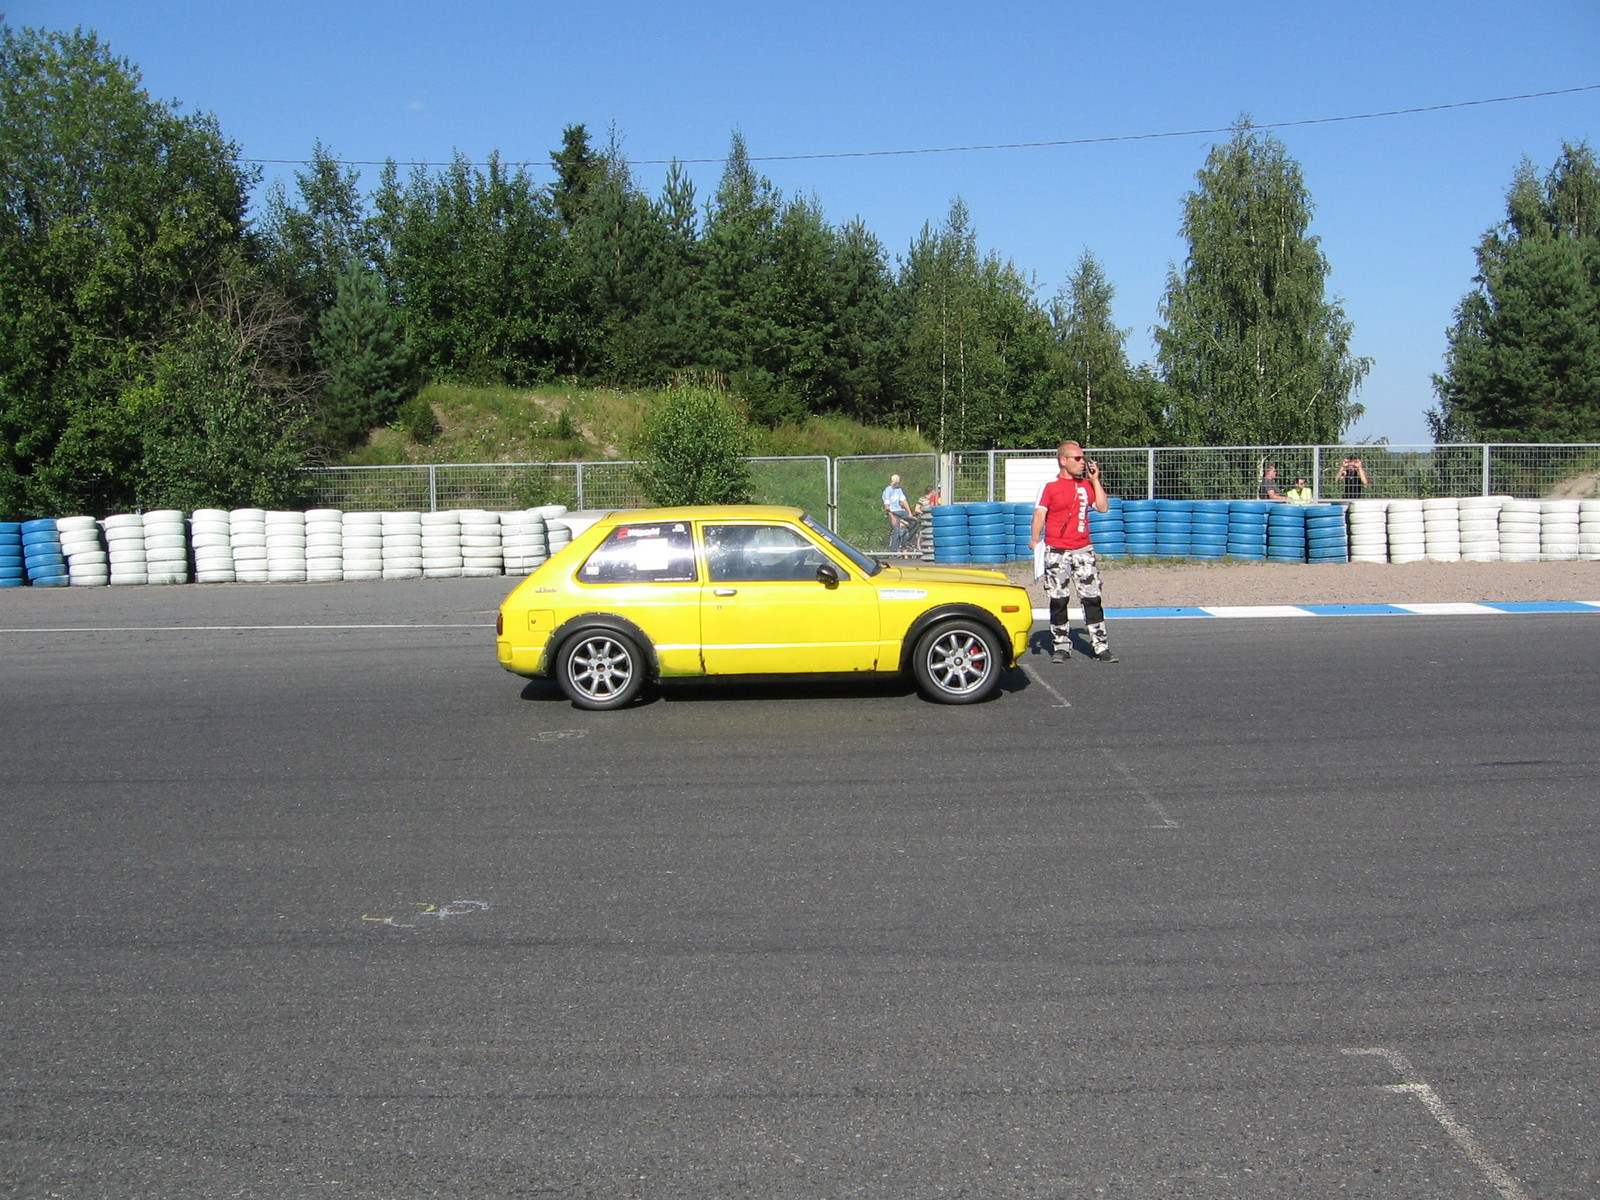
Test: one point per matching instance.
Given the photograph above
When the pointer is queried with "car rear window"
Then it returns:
(652, 553)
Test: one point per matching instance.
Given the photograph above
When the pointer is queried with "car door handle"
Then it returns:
(725, 592)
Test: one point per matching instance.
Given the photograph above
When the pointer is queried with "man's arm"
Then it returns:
(1102, 502)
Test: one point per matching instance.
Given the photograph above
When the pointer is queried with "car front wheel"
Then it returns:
(957, 662)
(600, 669)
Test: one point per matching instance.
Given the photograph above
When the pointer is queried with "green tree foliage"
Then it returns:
(1100, 398)
(472, 257)
(115, 213)
(737, 292)
(361, 348)
(627, 259)
(309, 246)
(1251, 349)
(211, 435)
(1524, 357)
(693, 449)
(976, 351)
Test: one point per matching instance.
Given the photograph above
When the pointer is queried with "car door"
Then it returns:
(763, 610)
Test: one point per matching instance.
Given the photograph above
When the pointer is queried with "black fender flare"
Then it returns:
(608, 621)
(971, 611)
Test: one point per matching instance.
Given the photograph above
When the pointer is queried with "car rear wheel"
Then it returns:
(957, 662)
(600, 669)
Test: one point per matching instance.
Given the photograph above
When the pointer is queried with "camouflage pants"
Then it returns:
(1064, 569)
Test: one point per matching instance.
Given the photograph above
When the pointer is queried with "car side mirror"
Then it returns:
(828, 575)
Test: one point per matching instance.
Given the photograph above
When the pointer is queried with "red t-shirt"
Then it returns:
(1066, 503)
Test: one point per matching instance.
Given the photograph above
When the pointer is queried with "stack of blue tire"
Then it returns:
(1208, 537)
(1327, 538)
(13, 571)
(1108, 532)
(1286, 534)
(952, 540)
(989, 532)
(1139, 519)
(1021, 530)
(1247, 528)
(42, 558)
(1174, 525)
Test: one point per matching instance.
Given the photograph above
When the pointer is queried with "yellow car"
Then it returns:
(751, 590)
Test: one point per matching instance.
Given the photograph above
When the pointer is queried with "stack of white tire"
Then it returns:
(166, 546)
(482, 544)
(362, 546)
(1520, 522)
(247, 535)
(1369, 531)
(1408, 534)
(523, 541)
(441, 545)
(402, 545)
(124, 534)
(324, 545)
(1589, 529)
(211, 538)
(88, 564)
(1558, 530)
(1480, 528)
(1441, 530)
(286, 547)
(558, 534)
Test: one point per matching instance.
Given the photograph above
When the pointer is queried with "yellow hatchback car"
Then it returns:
(668, 593)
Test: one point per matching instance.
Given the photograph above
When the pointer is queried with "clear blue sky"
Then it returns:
(1400, 201)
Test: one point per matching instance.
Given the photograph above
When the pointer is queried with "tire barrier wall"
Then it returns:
(1470, 529)
(251, 545)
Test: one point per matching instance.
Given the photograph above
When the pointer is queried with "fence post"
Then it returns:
(1150, 473)
(832, 493)
(433, 488)
(1316, 471)
(578, 487)
(1485, 449)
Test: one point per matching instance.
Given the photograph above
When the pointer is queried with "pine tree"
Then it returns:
(1252, 349)
(1101, 400)
(362, 348)
(975, 350)
(310, 245)
(1524, 357)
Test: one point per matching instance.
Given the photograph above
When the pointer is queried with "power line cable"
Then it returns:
(1088, 141)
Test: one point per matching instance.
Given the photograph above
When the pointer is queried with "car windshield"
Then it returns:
(866, 562)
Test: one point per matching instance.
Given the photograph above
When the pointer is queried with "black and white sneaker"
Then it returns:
(1058, 656)
(1105, 656)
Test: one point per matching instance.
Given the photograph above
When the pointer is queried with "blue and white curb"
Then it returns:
(1496, 608)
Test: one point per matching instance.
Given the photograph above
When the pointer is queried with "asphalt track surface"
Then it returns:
(304, 896)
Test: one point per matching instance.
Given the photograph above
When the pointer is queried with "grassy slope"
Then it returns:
(573, 424)
(488, 424)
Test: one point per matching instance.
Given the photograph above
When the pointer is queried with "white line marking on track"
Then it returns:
(1062, 701)
(1449, 610)
(1440, 1111)
(1154, 805)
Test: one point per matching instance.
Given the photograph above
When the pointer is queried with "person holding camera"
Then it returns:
(1061, 520)
(1352, 479)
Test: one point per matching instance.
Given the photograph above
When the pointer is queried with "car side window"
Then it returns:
(656, 553)
(747, 553)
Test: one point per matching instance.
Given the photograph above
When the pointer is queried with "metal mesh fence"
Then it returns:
(1391, 472)
(848, 490)
(505, 486)
(859, 481)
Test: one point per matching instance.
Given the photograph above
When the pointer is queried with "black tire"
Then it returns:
(600, 669)
(957, 661)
